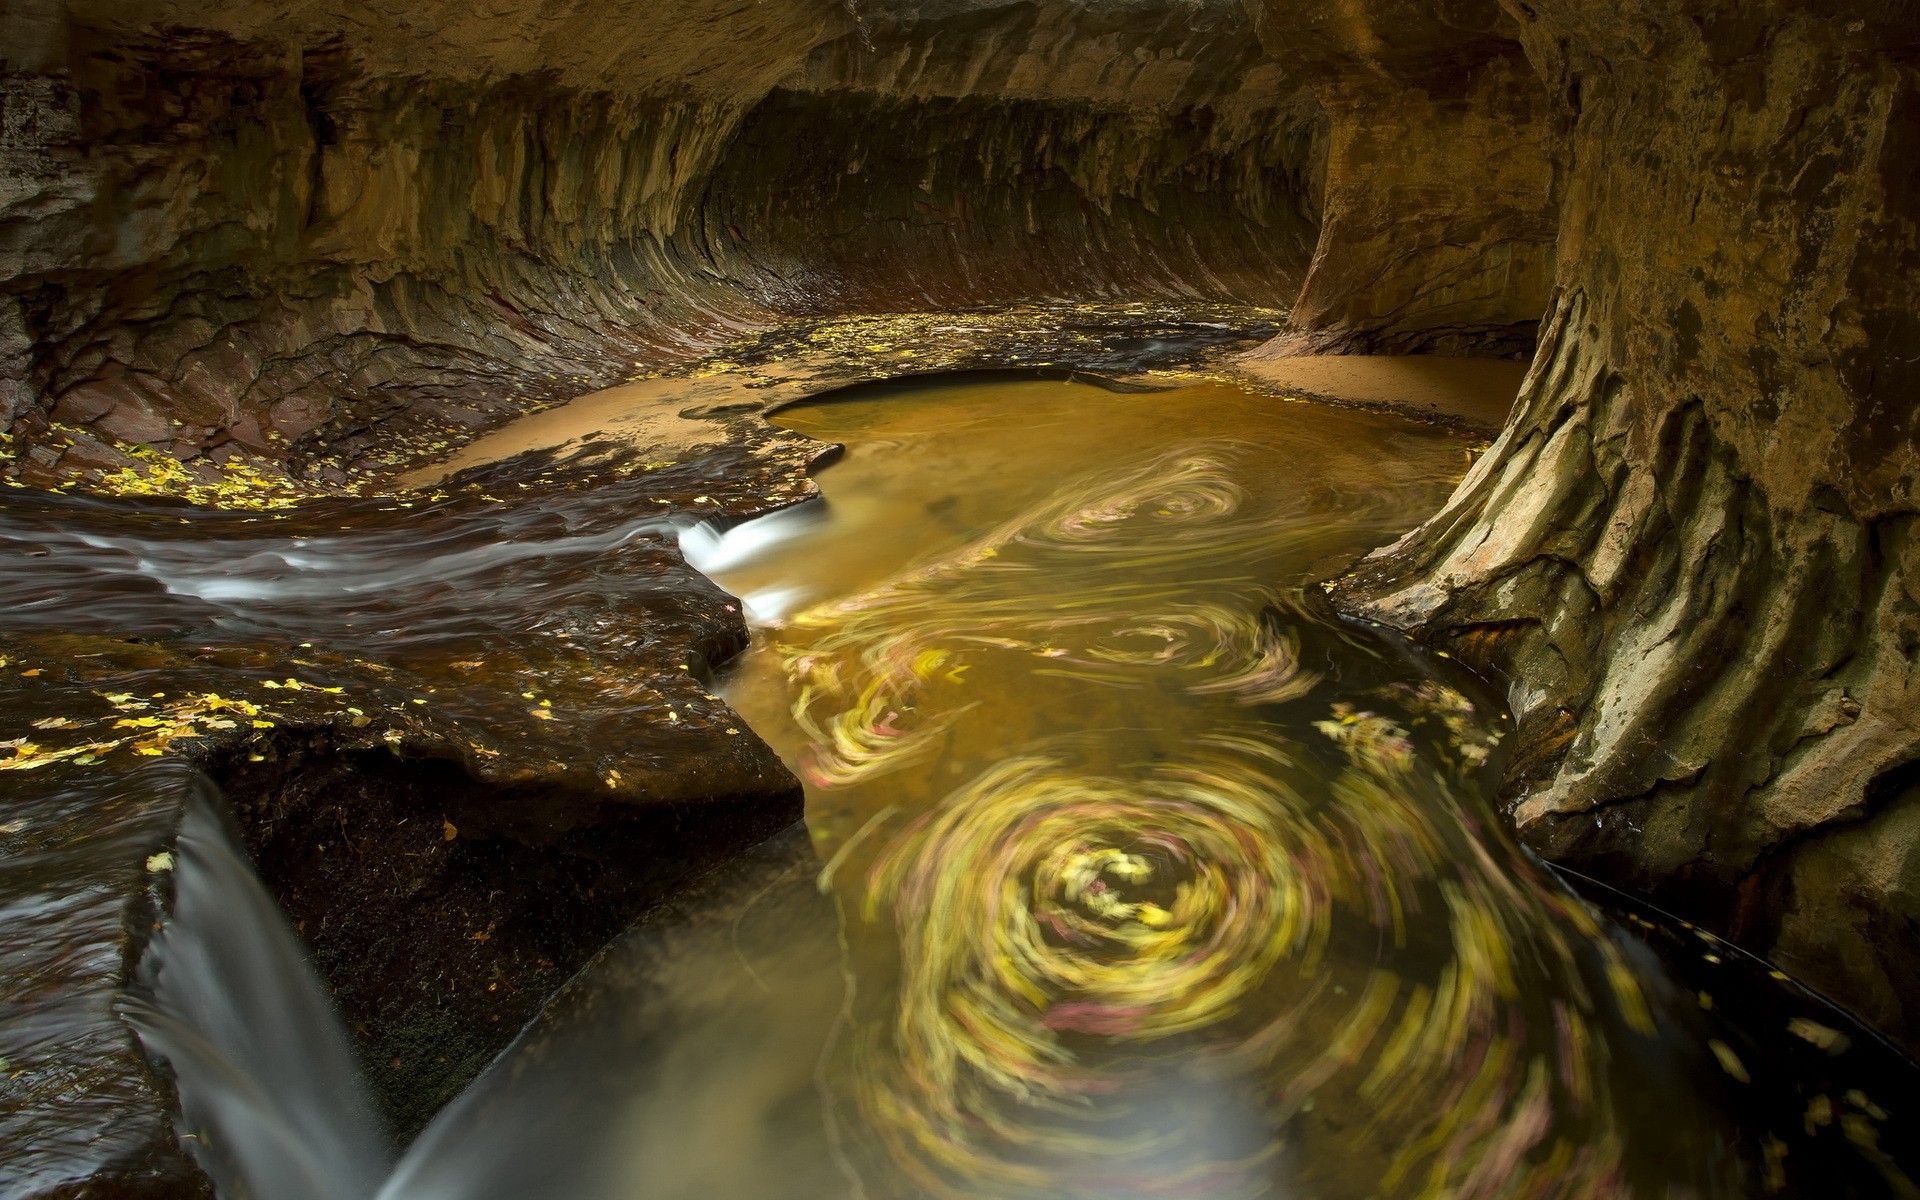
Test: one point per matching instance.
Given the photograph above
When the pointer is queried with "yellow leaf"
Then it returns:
(1729, 1061)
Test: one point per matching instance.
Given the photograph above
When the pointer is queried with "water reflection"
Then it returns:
(1157, 880)
(1131, 871)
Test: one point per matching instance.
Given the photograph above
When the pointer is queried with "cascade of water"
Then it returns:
(671, 1038)
(271, 1095)
(1143, 878)
(712, 551)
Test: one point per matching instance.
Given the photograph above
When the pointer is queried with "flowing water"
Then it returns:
(1156, 879)
(247, 1025)
(1128, 870)
(1152, 878)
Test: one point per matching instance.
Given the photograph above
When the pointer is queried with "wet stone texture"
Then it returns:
(466, 729)
(233, 232)
(82, 1111)
(462, 729)
(1692, 552)
(440, 932)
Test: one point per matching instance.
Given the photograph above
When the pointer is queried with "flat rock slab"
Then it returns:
(691, 407)
(1478, 391)
(470, 733)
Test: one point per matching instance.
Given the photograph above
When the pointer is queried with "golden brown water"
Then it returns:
(1145, 875)
(1155, 880)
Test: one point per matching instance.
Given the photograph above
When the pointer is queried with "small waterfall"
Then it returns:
(713, 551)
(677, 1060)
(272, 1098)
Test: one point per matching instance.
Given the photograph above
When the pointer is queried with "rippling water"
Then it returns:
(1129, 869)
(1156, 879)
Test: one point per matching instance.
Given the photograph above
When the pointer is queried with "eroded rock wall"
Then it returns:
(1693, 549)
(971, 198)
(282, 261)
(1441, 179)
(294, 230)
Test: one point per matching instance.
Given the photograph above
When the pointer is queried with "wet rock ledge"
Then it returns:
(467, 734)
(326, 240)
(464, 728)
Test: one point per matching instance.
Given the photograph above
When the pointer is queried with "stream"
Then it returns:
(1129, 869)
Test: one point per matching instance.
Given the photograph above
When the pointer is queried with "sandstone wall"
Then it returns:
(1441, 189)
(1693, 550)
(973, 198)
(233, 226)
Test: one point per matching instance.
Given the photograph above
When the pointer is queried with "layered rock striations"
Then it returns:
(1692, 551)
(302, 230)
(1441, 179)
(293, 229)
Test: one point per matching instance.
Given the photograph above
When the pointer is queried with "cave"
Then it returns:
(959, 598)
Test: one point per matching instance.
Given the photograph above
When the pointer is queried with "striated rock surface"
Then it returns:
(1692, 552)
(342, 234)
(324, 228)
(1441, 185)
(459, 792)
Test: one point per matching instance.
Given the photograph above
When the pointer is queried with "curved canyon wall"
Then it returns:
(235, 227)
(308, 228)
(1693, 550)
(1441, 185)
